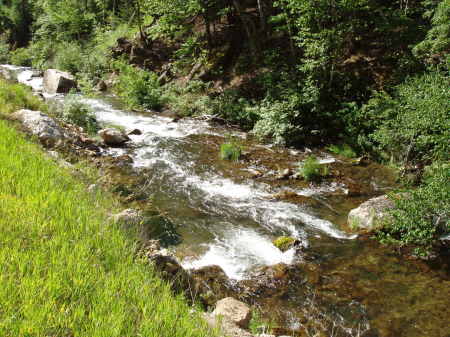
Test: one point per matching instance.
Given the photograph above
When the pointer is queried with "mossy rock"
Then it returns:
(285, 243)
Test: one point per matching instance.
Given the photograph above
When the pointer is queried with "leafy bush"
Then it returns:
(415, 123)
(423, 215)
(344, 150)
(234, 108)
(312, 170)
(76, 112)
(21, 57)
(230, 150)
(437, 42)
(276, 121)
(4, 50)
(188, 100)
(138, 88)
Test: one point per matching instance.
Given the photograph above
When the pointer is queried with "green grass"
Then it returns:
(342, 150)
(230, 151)
(66, 271)
(16, 96)
(312, 170)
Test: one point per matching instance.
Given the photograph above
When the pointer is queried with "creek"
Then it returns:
(220, 214)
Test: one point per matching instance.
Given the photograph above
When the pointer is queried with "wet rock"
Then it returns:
(168, 267)
(237, 312)
(212, 284)
(370, 214)
(56, 81)
(135, 132)
(284, 243)
(124, 159)
(255, 173)
(361, 161)
(284, 174)
(113, 137)
(129, 217)
(101, 86)
(40, 125)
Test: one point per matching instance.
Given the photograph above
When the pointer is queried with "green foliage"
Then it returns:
(344, 150)
(67, 271)
(421, 216)
(312, 170)
(234, 108)
(437, 42)
(138, 88)
(21, 57)
(230, 150)
(415, 121)
(14, 97)
(188, 100)
(4, 50)
(76, 112)
(284, 243)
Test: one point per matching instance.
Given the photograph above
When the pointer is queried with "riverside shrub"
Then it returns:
(421, 217)
(138, 88)
(78, 113)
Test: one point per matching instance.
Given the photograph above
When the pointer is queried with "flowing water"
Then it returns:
(223, 216)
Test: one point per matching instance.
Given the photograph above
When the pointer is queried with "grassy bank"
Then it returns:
(64, 270)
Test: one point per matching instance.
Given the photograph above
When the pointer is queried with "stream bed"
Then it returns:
(221, 214)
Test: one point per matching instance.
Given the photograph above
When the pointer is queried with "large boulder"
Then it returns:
(113, 137)
(40, 125)
(370, 214)
(233, 310)
(56, 81)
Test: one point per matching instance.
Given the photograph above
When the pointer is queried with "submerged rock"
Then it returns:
(56, 81)
(370, 214)
(235, 311)
(113, 137)
(40, 125)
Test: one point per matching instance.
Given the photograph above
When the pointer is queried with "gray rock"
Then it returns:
(56, 81)
(129, 217)
(284, 174)
(113, 137)
(135, 132)
(101, 86)
(226, 326)
(40, 125)
(370, 214)
(237, 312)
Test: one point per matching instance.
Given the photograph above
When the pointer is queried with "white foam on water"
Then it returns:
(239, 251)
(27, 77)
(155, 125)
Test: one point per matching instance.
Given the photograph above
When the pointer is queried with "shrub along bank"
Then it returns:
(64, 269)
